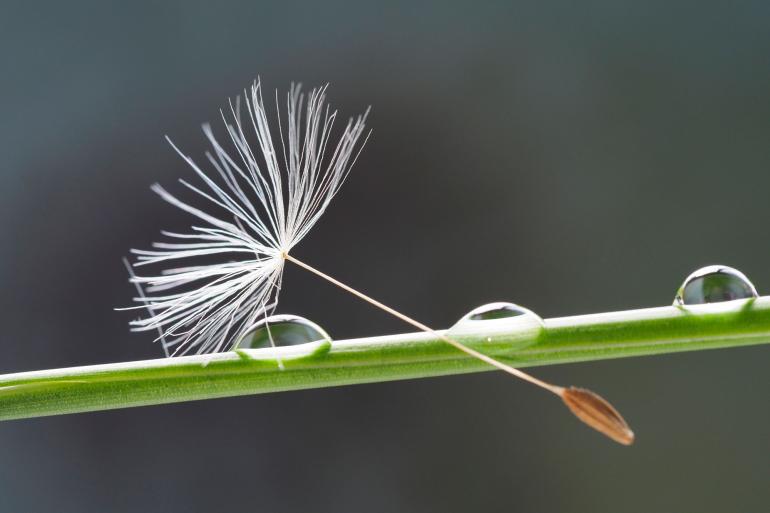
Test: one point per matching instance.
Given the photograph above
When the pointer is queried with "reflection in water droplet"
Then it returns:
(285, 330)
(505, 324)
(495, 311)
(714, 284)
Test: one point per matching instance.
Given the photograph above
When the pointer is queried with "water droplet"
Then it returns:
(714, 284)
(285, 330)
(506, 325)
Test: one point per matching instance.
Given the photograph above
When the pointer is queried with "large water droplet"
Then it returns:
(285, 330)
(714, 284)
(506, 325)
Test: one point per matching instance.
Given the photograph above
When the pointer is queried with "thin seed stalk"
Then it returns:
(385, 358)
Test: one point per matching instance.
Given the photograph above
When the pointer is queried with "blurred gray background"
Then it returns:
(574, 158)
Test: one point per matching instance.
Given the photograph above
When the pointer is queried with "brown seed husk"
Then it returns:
(598, 413)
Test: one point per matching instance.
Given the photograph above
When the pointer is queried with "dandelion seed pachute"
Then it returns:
(267, 202)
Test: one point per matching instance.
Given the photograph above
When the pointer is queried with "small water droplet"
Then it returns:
(285, 330)
(504, 324)
(714, 284)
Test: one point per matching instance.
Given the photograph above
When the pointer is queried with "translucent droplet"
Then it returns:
(497, 325)
(285, 330)
(714, 284)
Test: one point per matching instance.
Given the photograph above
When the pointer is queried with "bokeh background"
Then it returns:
(574, 158)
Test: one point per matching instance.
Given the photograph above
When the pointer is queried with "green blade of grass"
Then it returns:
(413, 355)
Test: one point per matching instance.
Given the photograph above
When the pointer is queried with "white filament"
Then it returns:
(266, 203)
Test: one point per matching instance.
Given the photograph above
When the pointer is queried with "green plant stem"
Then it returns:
(515, 341)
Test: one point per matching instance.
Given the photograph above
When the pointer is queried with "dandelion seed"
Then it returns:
(270, 201)
(598, 413)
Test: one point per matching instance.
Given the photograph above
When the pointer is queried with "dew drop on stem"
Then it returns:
(714, 284)
(284, 330)
(511, 325)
